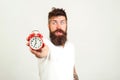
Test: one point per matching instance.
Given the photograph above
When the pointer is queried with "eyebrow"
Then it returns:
(56, 20)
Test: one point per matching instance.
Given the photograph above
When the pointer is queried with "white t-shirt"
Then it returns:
(59, 63)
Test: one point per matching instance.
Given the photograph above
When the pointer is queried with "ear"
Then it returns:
(48, 26)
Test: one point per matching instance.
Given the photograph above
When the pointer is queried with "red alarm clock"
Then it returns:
(35, 40)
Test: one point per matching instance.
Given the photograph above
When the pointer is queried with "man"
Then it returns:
(56, 58)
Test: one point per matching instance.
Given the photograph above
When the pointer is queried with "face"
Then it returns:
(58, 27)
(56, 23)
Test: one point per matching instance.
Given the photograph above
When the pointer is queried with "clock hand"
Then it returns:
(35, 42)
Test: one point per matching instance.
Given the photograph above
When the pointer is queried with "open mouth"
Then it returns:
(58, 33)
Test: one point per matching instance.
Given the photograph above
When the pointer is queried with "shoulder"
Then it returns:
(68, 43)
(70, 46)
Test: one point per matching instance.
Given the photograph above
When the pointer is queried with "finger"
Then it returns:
(27, 44)
(33, 51)
(36, 53)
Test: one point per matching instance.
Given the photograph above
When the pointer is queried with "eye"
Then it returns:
(53, 22)
(62, 22)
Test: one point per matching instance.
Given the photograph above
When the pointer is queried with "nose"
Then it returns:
(58, 26)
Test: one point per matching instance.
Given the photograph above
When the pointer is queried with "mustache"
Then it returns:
(59, 30)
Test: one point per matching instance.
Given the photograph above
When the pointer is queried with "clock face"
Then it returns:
(36, 43)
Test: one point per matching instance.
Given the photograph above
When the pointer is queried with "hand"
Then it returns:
(43, 52)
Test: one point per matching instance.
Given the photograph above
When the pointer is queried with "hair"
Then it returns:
(57, 12)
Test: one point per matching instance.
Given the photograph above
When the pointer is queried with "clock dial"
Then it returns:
(36, 43)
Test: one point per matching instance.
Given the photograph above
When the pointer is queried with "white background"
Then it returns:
(93, 26)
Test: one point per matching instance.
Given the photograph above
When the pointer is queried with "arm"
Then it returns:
(75, 75)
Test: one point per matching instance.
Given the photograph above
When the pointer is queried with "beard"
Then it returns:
(58, 40)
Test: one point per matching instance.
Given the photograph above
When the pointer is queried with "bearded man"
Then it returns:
(56, 58)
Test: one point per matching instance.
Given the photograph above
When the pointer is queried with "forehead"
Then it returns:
(57, 18)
